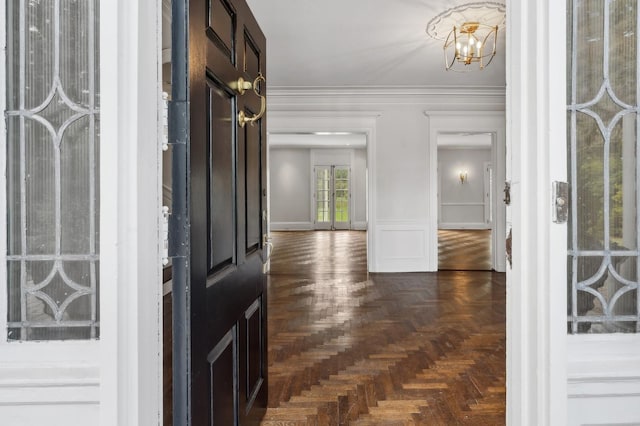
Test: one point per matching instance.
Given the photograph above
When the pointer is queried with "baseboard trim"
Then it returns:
(463, 226)
(291, 226)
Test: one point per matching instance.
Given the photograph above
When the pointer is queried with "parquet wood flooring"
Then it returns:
(464, 250)
(351, 348)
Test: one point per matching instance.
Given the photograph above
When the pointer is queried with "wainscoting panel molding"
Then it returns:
(402, 247)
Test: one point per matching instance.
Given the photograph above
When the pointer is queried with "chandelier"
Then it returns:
(470, 33)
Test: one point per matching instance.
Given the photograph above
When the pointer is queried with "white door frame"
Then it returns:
(130, 270)
(363, 122)
(536, 154)
(442, 122)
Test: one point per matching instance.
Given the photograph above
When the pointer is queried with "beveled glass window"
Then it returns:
(52, 149)
(603, 122)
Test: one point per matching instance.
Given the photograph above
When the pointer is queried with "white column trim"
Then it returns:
(131, 290)
(536, 286)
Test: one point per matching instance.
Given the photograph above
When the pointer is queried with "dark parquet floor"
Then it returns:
(351, 348)
(464, 250)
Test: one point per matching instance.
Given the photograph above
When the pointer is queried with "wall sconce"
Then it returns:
(463, 176)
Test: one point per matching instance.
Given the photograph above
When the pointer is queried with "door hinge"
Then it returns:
(560, 197)
(165, 121)
(165, 236)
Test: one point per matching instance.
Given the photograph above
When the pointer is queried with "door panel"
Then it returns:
(220, 307)
(223, 379)
(220, 108)
(253, 214)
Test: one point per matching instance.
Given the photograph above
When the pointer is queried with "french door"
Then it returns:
(332, 197)
(218, 216)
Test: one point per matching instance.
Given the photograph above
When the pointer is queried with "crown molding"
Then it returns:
(301, 91)
(463, 98)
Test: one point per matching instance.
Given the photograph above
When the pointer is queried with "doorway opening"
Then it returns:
(467, 163)
(465, 196)
(317, 181)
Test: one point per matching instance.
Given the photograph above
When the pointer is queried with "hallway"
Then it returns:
(347, 347)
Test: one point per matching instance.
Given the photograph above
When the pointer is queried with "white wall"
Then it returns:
(398, 156)
(289, 180)
(462, 205)
(291, 183)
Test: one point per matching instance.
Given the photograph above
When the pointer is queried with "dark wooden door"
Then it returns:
(220, 369)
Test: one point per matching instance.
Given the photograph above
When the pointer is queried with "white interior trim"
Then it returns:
(596, 360)
(536, 156)
(131, 291)
(292, 226)
(442, 122)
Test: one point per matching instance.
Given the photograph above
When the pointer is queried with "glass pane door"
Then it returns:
(603, 127)
(342, 196)
(332, 197)
(323, 197)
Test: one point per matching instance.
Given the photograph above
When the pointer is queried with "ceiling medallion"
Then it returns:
(469, 32)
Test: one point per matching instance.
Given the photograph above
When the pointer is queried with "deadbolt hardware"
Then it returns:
(507, 193)
(560, 197)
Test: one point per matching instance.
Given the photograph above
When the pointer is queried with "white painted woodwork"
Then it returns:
(131, 341)
(536, 156)
(445, 123)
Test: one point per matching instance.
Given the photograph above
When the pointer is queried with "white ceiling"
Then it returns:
(352, 43)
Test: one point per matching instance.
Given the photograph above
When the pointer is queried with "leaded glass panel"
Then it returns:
(53, 198)
(603, 125)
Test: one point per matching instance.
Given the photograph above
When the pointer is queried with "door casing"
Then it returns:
(535, 93)
(536, 156)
